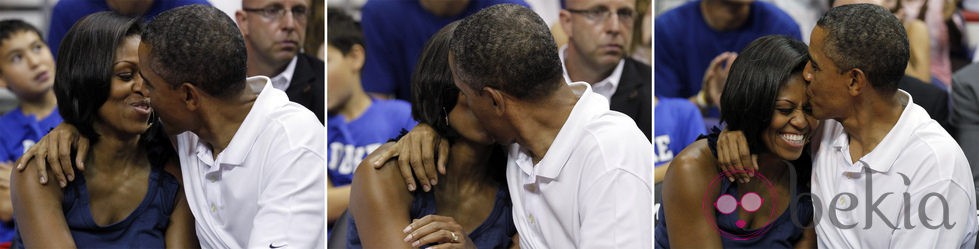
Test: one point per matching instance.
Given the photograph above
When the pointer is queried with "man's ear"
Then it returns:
(498, 98)
(564, 18)
(857, 81)
(190, 95)
(241, 18)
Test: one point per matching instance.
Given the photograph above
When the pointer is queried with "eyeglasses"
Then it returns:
(276, 12)
(600, 14)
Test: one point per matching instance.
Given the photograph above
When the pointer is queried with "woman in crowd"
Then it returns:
(765, 98)
(128, 196)
(470, 207)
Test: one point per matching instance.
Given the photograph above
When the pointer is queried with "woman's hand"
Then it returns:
(439, 231)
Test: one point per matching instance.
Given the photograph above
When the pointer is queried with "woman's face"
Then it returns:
(792, 121)
(465, 123)
(127, 109)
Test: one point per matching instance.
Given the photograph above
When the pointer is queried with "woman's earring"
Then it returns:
(446, 116)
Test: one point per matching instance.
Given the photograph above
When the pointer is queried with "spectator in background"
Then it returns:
(599, 40)
(357, 124)
(27, 67)
(704, 35)
(965, 116)
(678, 124)
(396, 31)
(67, 12)
(274, 32)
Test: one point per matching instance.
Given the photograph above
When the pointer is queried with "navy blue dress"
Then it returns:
(495, 232)
(780, 233)
(146, 225)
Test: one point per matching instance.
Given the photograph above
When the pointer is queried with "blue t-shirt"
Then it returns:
(349, 143)
(17, 133)
(685, 45)
(145, 227)
(395, 32)
(495, 232)
(67, 12)
(678, 124)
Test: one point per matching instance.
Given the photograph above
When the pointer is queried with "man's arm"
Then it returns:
(55, 149)
(290, 203)
(416, 153)
(338, 198)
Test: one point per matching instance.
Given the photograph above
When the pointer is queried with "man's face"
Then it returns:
(165, 100)
(827, 87)
(599, 31)
(274, 29)
(481, 106)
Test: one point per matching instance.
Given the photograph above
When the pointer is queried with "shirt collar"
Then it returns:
(606, 87)
(284, 79)
(884, 155)
(248, 132)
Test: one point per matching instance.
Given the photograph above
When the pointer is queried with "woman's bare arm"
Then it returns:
(37, 209)
(379, 204)
(684, 188)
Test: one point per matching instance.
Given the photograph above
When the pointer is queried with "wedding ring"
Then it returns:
(454, 237)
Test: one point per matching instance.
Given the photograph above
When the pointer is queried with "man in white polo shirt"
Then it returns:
(252, 161)
(885, 175)
(580, 175)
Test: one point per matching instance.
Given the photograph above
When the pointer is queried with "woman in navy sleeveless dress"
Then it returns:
(764, 98)
(470, 206)
(127, 196)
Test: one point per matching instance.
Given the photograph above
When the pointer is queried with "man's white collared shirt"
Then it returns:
(607, 86)
(593, 187)
(284, 79)
(917, 163)
(266, 189)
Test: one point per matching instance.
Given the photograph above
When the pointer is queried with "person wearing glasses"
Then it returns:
(698, 40)
(274, 32)
(599, 36)
(396, 32)
(67, 12)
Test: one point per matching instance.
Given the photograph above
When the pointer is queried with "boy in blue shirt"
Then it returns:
(356, 123)
(26, 65)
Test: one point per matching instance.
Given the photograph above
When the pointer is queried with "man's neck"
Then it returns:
(723, 16)
(40, 107)
(580, 70)
(222, 118)
(873, 117)
(540, 122)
